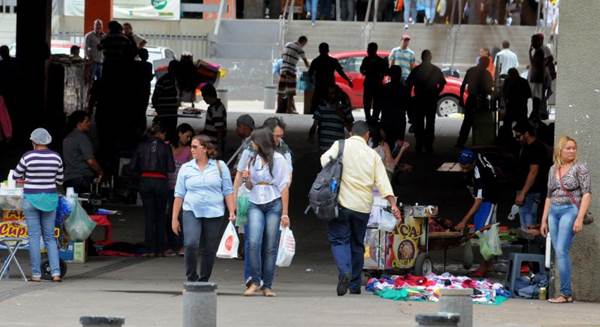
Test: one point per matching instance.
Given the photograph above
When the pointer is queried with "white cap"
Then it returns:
(41, 136)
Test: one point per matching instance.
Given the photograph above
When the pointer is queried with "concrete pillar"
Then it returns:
(577, 115)
(458, 301)
(199, 304)
(94, 321)
(97, 9)
(438, 319)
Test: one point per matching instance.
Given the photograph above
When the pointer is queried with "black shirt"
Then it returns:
(516, 92)
(395, 99)
(322, 69)
(374, 68)
(535, 153)
(478, 81)
(482, 180)
(427, 79)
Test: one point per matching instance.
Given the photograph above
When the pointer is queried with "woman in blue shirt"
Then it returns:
(269, 180)
(203, 186)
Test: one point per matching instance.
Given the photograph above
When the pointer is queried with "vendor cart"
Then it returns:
(406, 248)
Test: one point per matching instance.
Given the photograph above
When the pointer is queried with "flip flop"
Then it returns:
(561, 299)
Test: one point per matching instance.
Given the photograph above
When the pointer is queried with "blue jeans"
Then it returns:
(560, 221)
(528, 212)
(410, 10)
(311, 7)
(41, 224)
(346, 235)
(263, 240)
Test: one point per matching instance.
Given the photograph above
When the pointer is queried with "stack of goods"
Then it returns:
(428, 289)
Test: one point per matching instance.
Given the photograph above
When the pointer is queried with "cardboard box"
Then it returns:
(75, 252)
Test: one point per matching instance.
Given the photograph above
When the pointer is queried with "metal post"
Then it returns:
(219, 16)
(369, 4)
(375, 11)
(95, 321)
(458, 301)
(199, 304)
(438, 319)
(338, 11)
(291, 11)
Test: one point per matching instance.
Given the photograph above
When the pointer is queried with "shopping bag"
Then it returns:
(243, 202)
(287, 248)
(79, 226)
(228, 248)
(374, 217)
(489, 243)
(387, 221)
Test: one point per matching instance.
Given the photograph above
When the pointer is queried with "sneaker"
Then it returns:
(343, 284)
(356, 291)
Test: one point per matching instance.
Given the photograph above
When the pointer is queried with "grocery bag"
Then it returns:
(243, 202)
(79, 226)
(287, 248)
(489, 243)
(228, 248)
(387, 221)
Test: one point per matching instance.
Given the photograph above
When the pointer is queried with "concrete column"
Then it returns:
(577, 115)
(199, 305)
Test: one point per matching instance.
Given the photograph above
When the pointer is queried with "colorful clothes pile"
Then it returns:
(423, 289)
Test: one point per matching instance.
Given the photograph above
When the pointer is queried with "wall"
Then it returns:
(184, 26)
(578, 95)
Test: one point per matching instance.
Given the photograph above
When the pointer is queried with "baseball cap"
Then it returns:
(466, 156)
(246, 120)
(41, 136)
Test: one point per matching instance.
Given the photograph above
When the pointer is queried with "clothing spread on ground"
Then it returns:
(428, 289)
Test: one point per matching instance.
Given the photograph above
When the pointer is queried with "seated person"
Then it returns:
(81, 166)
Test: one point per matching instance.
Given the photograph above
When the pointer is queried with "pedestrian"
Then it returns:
(378, 142)
(395, 104)
(481, 180)
(165, 100)
(311, 10)
(568, 199)
(533, 164)
(516, 93)
(92, 49)
(403, 56)
(292, 52)
(374, 68)
(428, 82)
(506, 59)
(216, 117)
(410, 11)
(346, 233)
(478, 82)
(153, 161)
(138, 41)
(74, 52)
(322, 71)
(541, 74)
(268, 181)
(41, 170)
(81, 166)
(182, 153)
(347, 10)
(485, 53)
(244, 127)
(203, 188)
(333, 117)
(118, 52)
(145, 75)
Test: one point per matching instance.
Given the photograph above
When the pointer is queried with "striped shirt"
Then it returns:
(42, 170)
(166, 95)
(291, 54)
(403, 58)
(216, 117)
(331, 124)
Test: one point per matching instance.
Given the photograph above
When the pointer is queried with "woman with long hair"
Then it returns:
(568, 200)
(268, 179)
(203, 186)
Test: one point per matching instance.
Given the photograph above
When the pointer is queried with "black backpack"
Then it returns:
(324, 191)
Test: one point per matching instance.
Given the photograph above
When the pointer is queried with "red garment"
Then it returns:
(469, 283)
(5, 122)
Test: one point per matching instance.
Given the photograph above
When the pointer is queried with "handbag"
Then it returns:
(588, 218)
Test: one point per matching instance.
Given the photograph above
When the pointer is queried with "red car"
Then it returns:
(351, 61)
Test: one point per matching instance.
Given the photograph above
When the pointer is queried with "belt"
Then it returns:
(150, 174)
(264, 183)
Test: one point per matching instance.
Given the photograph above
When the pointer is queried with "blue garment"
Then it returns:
(263, 241)
(46, 202)
(205, 231)
(267, 185)
(346, 235)
(41, 224)
(410, 10)
(202, 191)
(560, 221)
(528, 212)
(311, 7)
(485, 215)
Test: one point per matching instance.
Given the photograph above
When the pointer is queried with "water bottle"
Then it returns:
(333, 185)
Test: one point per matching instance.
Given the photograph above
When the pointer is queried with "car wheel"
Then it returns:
(448, 105)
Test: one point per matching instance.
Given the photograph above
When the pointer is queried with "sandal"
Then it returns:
(56, 279)
(268, 292)
(35, 279)
(561, 299)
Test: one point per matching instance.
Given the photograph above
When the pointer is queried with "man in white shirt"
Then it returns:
(506, 59)
(359, 178)
(139, 41)
(92, 53)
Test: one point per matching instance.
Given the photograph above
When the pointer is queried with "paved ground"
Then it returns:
(147, 292)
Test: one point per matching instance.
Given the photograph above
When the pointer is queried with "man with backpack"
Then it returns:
(346, 231)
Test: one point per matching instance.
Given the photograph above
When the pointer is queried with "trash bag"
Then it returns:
(79, 226)
(243, 202)
(63, 210)
(287, 248)
(228, 248)
(489, 243)
(387, 222)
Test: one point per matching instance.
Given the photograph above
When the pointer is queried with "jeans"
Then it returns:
(425, 115)
(311, 7)
(41, 224)
(263, 240)
(371, 99)
(346, 235)
(528, 212)
(96, 71)
(410, 10)
(205, 231)
(560, 221)
(155, 192)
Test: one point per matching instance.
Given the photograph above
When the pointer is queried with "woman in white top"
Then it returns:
(268, 179)
(378, 143)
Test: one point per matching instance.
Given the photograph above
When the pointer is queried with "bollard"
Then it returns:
(199, 304)
(438, 319)
(95, 321)
(270, 97)
(458, 301)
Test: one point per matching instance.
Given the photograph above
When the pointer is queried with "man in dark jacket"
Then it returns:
(153, 160)
(516, 93)
(374, 68)
(322, 71)
(395, 102)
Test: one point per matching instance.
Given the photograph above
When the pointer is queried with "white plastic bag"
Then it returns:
(489, 243)
(78, 225)
(228, 248)
(387, 221)
(287, 248)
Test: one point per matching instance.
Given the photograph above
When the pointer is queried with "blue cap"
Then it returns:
(466, 156)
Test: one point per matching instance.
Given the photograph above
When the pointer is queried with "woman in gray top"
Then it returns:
(568, 200)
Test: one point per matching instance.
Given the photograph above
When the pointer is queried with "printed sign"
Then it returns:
(132, 9)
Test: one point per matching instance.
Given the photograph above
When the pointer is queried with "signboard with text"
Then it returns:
(132, 9)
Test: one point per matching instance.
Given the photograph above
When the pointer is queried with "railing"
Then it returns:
(219, 17)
